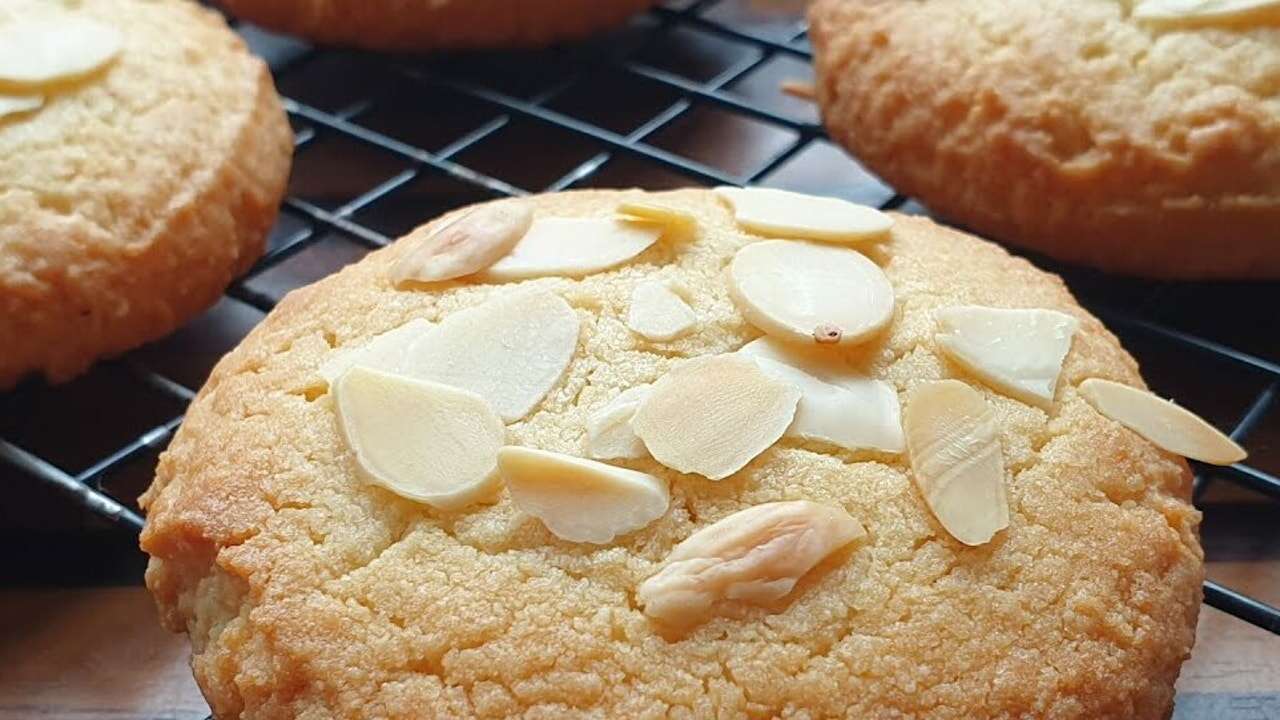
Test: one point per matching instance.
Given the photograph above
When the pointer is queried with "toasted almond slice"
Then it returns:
(837, 405)
(665, 215)
(711, 415)
(386, 351)
(658, 314)
(800, 292)
(581, 500)
(956, 460)
(1169, 426)
(40, 51)
(783, 214)
(510, 351)
(421, 440)
(14, 104)
(465, 246)
(572, 247)
(1018, 352)
(609, 432)
(755, 555)
(1208, 10)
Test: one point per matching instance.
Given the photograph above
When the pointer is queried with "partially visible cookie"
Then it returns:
(438, 24)
(138, 181)
(437, 489)
(1140, 145)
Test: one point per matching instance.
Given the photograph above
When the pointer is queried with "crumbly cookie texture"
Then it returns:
(1067, 127)
(135, 194)
(438, 24)
(308, 593)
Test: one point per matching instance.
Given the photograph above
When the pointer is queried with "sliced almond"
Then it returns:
(14, 104)
(802, 292)
(711, 415)
(1208, 10)
(783, 214)
(609, 432)
(572, 247)
(465, 246)
(1169, 426)
(1017, 351)
(755, 556)
(657, 313)
(386, 351)
(664, 215)
(40, 51)
(510, 350)
(837, 405)
(423, 441)
(581, 500)
(956, 460)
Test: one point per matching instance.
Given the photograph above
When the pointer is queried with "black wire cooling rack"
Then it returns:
(687, 94)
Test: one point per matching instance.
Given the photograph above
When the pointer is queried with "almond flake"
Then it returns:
(1018, 352)
(837, 405)
(572, 247)
(1233, 11)
(956, 460)
(665, 215)
(14, 104)
(783, 214)
(47, 50)
(510, 350)
(754, 556)
(711, 415)
(424, 441)
(811, 294)
(465, 246)
(1169, 426)
(609, 432)
(581, 500)
(386, 351)
(657, 313)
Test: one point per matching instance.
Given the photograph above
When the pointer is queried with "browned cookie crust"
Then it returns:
(1067, 127)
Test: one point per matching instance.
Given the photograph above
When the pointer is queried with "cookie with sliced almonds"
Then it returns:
(744, 521)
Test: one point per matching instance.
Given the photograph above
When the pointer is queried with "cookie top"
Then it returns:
(438, 24)
(307, 588)
(1072, 128)
(137, 188)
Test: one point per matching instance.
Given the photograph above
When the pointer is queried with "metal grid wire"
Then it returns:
(351, 105)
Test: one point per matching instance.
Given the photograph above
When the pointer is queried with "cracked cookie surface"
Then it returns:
(308, 593)
(131, 199)
(1067, 127)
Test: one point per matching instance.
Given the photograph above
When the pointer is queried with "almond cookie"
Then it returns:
(142, 158)
(492, 496)
(438, 24)
(1136, 137)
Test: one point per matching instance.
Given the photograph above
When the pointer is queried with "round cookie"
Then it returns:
(136, 192)
(1069, 128)
(308, 592)
(438, 24)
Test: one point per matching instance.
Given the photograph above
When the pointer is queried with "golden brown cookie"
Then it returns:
(133, 192)
(437, 24)
(311, 588)
(1076, 129)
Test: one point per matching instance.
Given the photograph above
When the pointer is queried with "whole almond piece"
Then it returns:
(956, 460)
(1169, 426)
(754, 555)
(465, 246)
